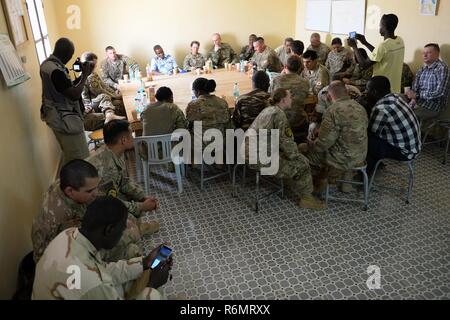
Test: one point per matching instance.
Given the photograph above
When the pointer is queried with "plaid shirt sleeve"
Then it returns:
(378, 120)
(440, 84)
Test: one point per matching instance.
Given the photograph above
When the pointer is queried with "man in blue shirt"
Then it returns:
(162, 63)
(431, 89)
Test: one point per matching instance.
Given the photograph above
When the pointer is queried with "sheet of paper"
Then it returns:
(10, 65)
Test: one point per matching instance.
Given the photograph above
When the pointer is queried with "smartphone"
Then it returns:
(163, 254)
(352, 35)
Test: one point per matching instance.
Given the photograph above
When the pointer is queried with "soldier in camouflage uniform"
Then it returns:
(163, 117)
(293, 166)
(299, 88)
(320, 48)
(340, 60)
(115, 66)
(100, 101)
(250, 105)
(317, 75)
(248, 51)
(211, 110)
(265, 58)
(194, 60)
(360, 76)
(221, 53)
(407, 77)
(110, 163)
(342, 142)
(64, 207)
(98, 280)
(285, 51)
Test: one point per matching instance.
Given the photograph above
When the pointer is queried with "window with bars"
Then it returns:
(39, 27)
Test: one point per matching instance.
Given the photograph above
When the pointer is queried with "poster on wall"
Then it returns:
(10, 65)
(428, 7)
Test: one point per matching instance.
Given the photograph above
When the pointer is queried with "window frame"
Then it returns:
(41, 41)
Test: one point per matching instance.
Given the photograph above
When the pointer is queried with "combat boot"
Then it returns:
(147, 228)
(310, 202)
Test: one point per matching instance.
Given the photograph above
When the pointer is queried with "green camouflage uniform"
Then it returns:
(407, 77)
(224, 55)
(211, 110)
(323, 103)
(112, 72)
(322, 51)
(342, 142)
(247, 53)
(59, 212)
(101, 98)
(360, 77)
(248, 107)
(98, 280)
(318, 79)
(340, 63)
(297, 116)
(267, 61)
(115, 181)
(162, 118)
(293, 165)
(191, 61)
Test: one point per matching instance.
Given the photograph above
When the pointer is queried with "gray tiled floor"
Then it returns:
(224, 250)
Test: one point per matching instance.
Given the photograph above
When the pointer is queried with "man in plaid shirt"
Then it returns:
(394, 130)
(431, 88)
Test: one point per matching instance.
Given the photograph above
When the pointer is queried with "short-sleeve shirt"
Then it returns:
(389, 56)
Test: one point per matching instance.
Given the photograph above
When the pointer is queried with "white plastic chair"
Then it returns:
(159, 151)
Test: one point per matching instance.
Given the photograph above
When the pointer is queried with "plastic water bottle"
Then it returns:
(136, 74)
(131, 73)
(148, 71)
(236, 91)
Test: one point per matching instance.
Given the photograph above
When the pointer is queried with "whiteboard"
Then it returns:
(348, 16)
(318, 15)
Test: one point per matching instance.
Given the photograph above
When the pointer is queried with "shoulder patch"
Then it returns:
(289, 132)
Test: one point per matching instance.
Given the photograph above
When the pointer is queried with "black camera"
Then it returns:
(78, 65)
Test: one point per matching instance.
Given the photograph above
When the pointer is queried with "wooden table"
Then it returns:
(181, 85)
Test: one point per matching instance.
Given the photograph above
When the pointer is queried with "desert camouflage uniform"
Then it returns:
(191, 61)
(360, 77)
(318, 79)
(247, 53)
(297, 116)
(59, 213)
(248, 107)
(112, 72)
(407, 77)
(322, 51)
(267, 61)
(115, 181)
(293, 166)
(340, 62)
(342, 142)
(224, 55)
(98, 280)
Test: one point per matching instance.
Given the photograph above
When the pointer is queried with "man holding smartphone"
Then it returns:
(62, 108)
(387, 59)
(72, 268)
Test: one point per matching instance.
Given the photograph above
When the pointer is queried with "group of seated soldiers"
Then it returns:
(357, 121)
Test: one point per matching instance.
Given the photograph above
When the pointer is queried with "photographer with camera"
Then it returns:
(62, 108)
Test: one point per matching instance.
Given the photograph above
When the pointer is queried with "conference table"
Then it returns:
(181, 86)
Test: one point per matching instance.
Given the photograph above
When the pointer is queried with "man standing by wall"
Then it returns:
(61, 108)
